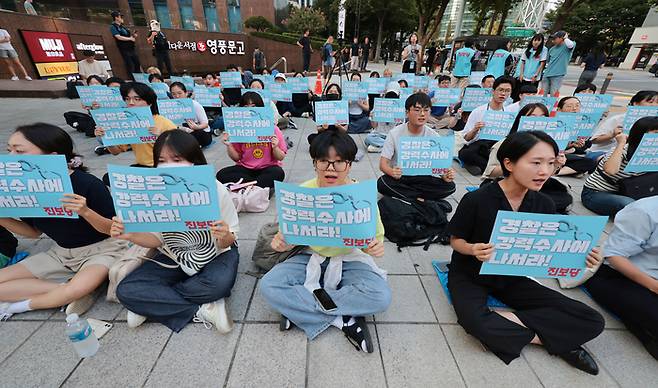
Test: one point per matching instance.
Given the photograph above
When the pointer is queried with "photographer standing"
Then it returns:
(160, 44)
(125, 43)
(410, 55)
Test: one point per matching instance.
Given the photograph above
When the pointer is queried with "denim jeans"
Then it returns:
(360, 292)
(604, 203)
(552, 85)
(170, 296)
(375, 139)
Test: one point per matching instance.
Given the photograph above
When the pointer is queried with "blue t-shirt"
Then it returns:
(531, 64)
(558, 60)
(327, 54)
(463, 58)
(496, 64)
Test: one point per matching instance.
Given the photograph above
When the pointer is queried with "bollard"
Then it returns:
(606, 83)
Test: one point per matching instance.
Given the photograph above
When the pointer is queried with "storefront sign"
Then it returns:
(214, 46)
(51, 52)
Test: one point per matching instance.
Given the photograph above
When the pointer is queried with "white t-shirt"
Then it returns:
(5, 45)
(477, 115)
(389, 151)
(607, 127)
(200, 115)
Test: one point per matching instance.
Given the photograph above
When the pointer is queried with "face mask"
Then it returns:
(179, 164)
(332, 96)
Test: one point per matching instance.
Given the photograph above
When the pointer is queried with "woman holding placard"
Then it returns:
(260, 162)
(541, 316)
(358, 111)
(199, 267)
(199, 126)
(83, 253)
(576, 163)
(333, 93)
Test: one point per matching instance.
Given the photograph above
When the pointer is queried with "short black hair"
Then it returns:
(231, 67)
(563, 100)
(114, 80)
(406, 84)
(251, 98)
(343, 144)
(525, 111)
(144, 92)
(583, 87)
(97, 78)
(179, 85)
(50, 139)
(441, 78)
(262, 84)
(209, 74)
(468, 43)
(486, 77)
(374, 74)
(419, 98)
(355, 74)
(642, 126)
(518, 144)
(340, 90)
(643, 95)
(503, 79)
(182, 144)
(154, 76)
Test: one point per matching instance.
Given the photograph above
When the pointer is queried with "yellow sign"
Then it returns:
(57, 68)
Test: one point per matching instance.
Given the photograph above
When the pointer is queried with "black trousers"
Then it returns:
(132, 62)
(204, 138)
(162, 58)
(8, 243)
(562, 324)
(421, 186)
(306, 57)
(476, 153)
(635, 305)
(264, 177)
(580, 163)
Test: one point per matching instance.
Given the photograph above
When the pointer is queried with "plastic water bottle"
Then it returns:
(81, 335)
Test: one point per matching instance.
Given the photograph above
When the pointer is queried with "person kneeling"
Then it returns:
(361, 289)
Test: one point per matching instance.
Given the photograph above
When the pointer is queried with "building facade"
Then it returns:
(643, 52)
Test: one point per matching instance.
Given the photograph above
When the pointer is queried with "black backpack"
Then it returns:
(414, 223)
(81, 122)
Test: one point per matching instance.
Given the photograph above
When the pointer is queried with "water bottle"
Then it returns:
(81, 335)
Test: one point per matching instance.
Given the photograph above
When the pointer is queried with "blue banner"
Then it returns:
(141, 77)
(230, 79)
(208, 97)
(338, 216)
(331, 112)
(249, 124)
(185, 80)
(423, 82)
(161, 89)
(425, 155)
(265, 94)
(584, 123)
(497, 124)
(561, 128)
(177, 110)
(355, 90)
(542, 245)
(298, 84)
(33, 186)
(125, 125)
(389, 110)
(268, 79)
(590, 102)
(376, 85)
(280, 92)
(409, 78)
(474, 97)
(645, 158)
(634, 113)
(102, 95)
(405, 93)
(548, 101)
(445, 96)
(166, 199)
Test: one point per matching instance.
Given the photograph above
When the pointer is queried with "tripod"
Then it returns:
(340, 64)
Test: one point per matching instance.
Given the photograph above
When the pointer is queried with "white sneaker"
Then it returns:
(15, 78)
(4, 315)
(81, 305)
(134, 320)
(306, 115)
(28, 78)
(359, 155)
(372, 148)
(216, 314)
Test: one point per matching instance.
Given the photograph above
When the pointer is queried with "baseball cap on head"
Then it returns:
(559, 34)
(116, 13)
(281, 76)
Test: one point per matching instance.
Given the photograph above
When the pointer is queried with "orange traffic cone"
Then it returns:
(318, 83)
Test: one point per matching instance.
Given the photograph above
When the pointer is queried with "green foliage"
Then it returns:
(284, 38)
(301, 19)
(258, 23)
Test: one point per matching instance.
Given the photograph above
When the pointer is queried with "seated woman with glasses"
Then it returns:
(421, 187)
(362, 289)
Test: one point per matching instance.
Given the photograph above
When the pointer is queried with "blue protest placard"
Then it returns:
(542, 245)
(584, 123)
(474, 97)
(476, 77)
(445, 96)
(634, 113)
(185, 80)
(645, 158)
(165, 199)
(125, 125)
(267, 79)
(280, 92)
(102, 95)
(590, 102)
(331, 112)
(409, 78)
(425, 155)
(208, 97)
(338, 216)
(33, 186)
(423, 82)
(141, 77)
(355, 90)
(265, 94)
(496, 124)
(177, 110)
(388, 110)
(298, 84)
(405, 93)
(376, 85)
(249, 124)
(230, 79)
(161, 89)
(548, 101)
(560, 128)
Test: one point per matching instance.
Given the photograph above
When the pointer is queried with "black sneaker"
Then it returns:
(285, 324)
(474, 170)
(100, 150)
(358, 334)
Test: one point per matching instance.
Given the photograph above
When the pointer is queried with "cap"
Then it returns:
(116, 13)
(393, 86)
(281, 75)
(559, 34)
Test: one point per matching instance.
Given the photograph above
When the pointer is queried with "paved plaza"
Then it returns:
(417, 340)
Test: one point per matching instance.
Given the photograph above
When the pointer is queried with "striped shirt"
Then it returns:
(599, 180)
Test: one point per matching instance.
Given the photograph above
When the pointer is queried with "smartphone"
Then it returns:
(100, 328)
(324, 299)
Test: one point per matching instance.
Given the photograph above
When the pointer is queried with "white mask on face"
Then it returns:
(179, 164)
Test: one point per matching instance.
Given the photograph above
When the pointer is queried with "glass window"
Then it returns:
(92, 11)
(137, 10)
(162, 13)
(234, 15)
(9, 5)
(210, 11)
(186, 14)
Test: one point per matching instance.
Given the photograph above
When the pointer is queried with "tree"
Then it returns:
(258, 23)
(301, 19)
(564, 11)
(430, 14)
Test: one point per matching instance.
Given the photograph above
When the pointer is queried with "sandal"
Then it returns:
(357, 333)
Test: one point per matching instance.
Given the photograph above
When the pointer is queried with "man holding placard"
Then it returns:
(434, 186)
(443, 98)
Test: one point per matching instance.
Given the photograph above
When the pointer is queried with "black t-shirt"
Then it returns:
(593, 62)
(258, 58)
(75, 233)
(366, 48)
(475, 216)
(355, 49)
(305, 41)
